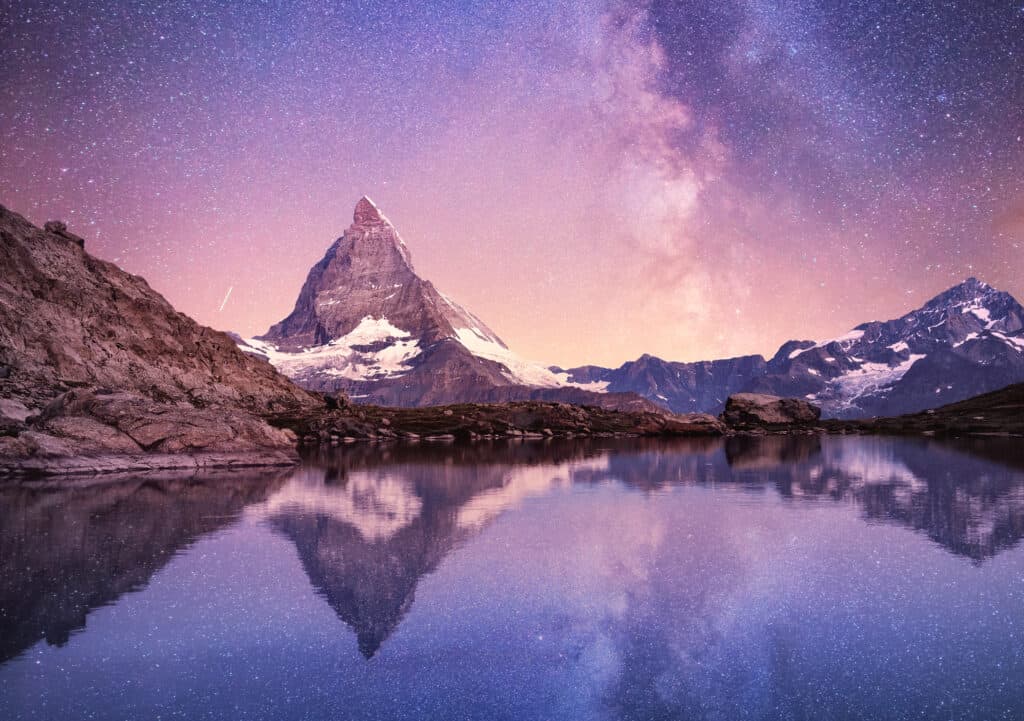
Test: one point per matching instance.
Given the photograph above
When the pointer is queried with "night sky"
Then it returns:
(595, 180)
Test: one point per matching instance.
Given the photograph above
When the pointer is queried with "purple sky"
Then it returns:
(595, 180)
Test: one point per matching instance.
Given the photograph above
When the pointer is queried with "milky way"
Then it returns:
(594, 179)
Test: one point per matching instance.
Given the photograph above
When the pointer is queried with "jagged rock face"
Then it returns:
(71, 323)
(965, 341)
(68, 319)
(368, 273)
(366, 324)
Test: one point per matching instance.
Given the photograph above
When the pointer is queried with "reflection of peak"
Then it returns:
(970, 506)
(367, 533)
(377, 503)
(370, 585)
(523, 482)
(366, 556)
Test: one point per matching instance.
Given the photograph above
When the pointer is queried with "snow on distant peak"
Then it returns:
(843, 340)
(465, 316)
(981, 313)
(520, 371)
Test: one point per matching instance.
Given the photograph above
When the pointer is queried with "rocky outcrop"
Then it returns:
(103, 431)
(755, 410)
(98, 371)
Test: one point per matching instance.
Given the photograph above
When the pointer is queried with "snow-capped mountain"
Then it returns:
(965, 341)
(367, 324)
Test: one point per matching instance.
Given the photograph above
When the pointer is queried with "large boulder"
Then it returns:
(756, 410)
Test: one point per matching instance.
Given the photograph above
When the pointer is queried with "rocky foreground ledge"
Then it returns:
(102, 431)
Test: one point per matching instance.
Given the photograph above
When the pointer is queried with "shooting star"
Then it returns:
(225, 301)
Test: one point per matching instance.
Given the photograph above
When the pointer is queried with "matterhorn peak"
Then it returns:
(367, 213)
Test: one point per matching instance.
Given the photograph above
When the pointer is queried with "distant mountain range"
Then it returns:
(963, 342)
(365, 323)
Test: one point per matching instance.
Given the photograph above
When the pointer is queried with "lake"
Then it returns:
(750, 578)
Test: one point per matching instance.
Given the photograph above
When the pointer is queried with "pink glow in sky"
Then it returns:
(595, 180)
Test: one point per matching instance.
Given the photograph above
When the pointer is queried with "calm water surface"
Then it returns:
(835, 578)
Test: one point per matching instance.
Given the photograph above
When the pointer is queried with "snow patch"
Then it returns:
(870, 378)
(843, 340)
(1013, 342)
(847, 339)
(521, 371)
(981, 313)
(340, 359)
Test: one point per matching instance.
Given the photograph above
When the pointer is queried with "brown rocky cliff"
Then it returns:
(89, 352)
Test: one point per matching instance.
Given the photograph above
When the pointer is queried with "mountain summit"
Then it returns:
(366, 323)
(367, 213)
(365, 290)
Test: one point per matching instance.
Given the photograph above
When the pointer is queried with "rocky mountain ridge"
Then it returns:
(965, 341)
(99, 373)
(96, 367)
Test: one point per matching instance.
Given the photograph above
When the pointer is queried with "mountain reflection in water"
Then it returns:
(369, 523)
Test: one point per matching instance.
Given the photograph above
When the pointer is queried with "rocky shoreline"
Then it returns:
(339, 423)
(336, 424)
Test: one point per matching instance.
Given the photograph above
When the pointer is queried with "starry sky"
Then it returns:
(595, 179)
